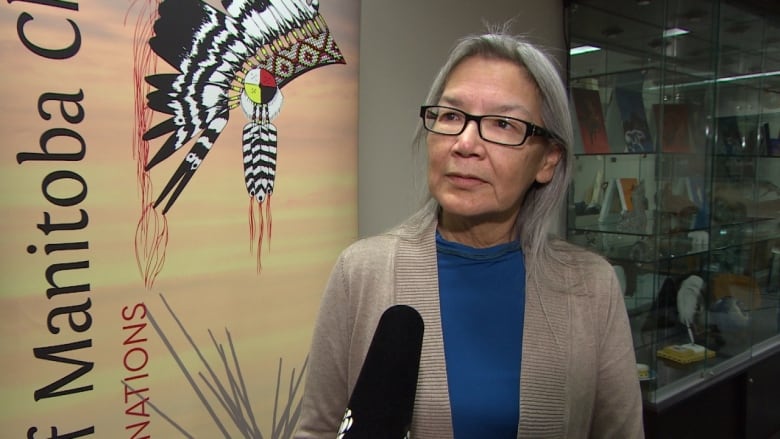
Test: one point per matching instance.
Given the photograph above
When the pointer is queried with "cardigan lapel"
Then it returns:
(417, 285)
(545, 364)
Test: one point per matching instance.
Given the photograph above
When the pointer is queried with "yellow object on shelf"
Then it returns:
(643, 371)
(685, 353)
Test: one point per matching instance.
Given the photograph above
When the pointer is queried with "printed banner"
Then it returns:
(178, 177)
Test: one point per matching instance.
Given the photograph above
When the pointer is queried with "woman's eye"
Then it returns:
(449, 116)
(505, 125)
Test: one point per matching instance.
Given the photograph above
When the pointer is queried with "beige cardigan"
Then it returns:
(578, 372)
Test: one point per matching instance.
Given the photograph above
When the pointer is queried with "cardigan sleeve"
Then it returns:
(618, 404)
(325, 396)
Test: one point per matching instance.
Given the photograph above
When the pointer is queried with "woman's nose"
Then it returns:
(468, 142)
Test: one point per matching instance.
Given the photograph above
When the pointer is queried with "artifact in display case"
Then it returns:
(590, 118)
(636, 131)
(685, 353)
(673, 121)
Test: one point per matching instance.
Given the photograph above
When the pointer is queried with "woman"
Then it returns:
(525, 335)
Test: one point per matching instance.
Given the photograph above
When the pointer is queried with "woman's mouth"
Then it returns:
(464, 180)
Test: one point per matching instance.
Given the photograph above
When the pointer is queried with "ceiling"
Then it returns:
(724, 40)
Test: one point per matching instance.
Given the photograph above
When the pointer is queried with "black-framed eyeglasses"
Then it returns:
(502, 130)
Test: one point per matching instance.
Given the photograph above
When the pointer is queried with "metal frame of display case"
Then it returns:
(682, 96)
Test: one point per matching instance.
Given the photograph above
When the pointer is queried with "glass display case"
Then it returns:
(676, 108)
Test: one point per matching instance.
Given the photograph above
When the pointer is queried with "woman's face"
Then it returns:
(476, 181)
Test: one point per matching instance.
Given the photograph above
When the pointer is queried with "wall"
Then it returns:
(402, 45)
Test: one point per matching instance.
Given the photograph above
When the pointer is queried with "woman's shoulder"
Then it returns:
(386, 243)
(580, 271)
(371, 246)
(578, 257)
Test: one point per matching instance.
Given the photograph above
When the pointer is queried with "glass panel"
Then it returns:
(749, 114)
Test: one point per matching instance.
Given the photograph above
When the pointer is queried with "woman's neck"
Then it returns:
(477, 234)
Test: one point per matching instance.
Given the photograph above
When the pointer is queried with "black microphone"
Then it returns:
(382, 401)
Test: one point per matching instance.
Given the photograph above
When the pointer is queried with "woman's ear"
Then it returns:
(552, 156)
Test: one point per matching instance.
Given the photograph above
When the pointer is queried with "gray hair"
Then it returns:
(542, 201)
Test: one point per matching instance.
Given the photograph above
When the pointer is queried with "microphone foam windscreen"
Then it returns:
(382, 401)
